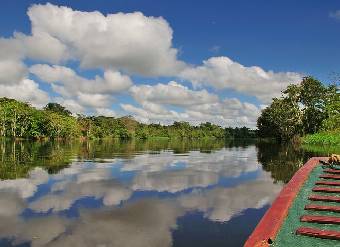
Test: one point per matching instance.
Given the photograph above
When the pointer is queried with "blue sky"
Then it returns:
(283, 39)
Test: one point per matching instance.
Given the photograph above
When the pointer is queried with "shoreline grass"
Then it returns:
(323, 138)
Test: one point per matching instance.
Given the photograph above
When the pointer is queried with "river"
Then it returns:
(139, 193)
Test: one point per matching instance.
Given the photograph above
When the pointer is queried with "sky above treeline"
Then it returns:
(164, 61)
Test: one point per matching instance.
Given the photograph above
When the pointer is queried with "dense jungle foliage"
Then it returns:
(20, 120)
(309, 109)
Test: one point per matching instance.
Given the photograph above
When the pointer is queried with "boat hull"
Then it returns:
(269, 226)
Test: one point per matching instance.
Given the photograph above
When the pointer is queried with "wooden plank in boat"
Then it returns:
(330, 176)
(320, 219)
(330, 183)
(334, 171)
(317, 207)
(324, 198)
(318, 233)
(326, 189)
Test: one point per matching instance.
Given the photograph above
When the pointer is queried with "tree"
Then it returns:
(314, 96)
(302, 109)
(266, 126)
(57, 108)
(282, 119)
(332, 122)
(18, 119)
(86, 125)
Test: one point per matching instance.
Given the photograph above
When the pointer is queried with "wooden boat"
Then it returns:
(306, 212)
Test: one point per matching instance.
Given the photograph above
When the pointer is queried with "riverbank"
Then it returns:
(323, 138)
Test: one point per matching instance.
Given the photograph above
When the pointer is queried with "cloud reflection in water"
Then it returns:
(191, 183)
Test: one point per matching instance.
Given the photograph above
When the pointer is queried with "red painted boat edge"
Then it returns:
(271, 222)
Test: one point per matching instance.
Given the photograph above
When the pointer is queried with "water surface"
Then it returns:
(155, 193)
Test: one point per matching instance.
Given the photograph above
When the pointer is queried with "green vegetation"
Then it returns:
(322, 150)
(19, 120)
(330, 133)
(324, 137)
(309, 109)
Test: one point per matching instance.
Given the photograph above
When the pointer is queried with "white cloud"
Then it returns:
(227, 112)
(71, 105)
(13, 75)
(94, 100)
(42, 47)
(222, 72)
(132, 42)
(159, 114)
(172, 93)
(197, 106)
(26, 90)
(69, 83)
(11, 71)
(80, 93)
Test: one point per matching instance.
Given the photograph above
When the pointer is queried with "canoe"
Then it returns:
(305, 213)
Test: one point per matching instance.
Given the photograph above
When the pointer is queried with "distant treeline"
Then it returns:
(20, 120)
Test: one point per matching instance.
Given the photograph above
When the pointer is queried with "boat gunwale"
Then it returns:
(270, 224)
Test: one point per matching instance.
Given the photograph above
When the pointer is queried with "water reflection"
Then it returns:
(110, 193)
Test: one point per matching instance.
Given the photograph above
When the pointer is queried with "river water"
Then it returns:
(137, 193)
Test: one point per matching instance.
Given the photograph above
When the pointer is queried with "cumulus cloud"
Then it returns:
(13, 75)
(227, 112)
(196, 106)
(34, 47)
(152, 113)
(69, 83)
(27, 91)
(222, 72)
(71, 104)
(120, 45)
(12, 71)
(132, 42)
(94, 100)
(172, 93)
(80, 93)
